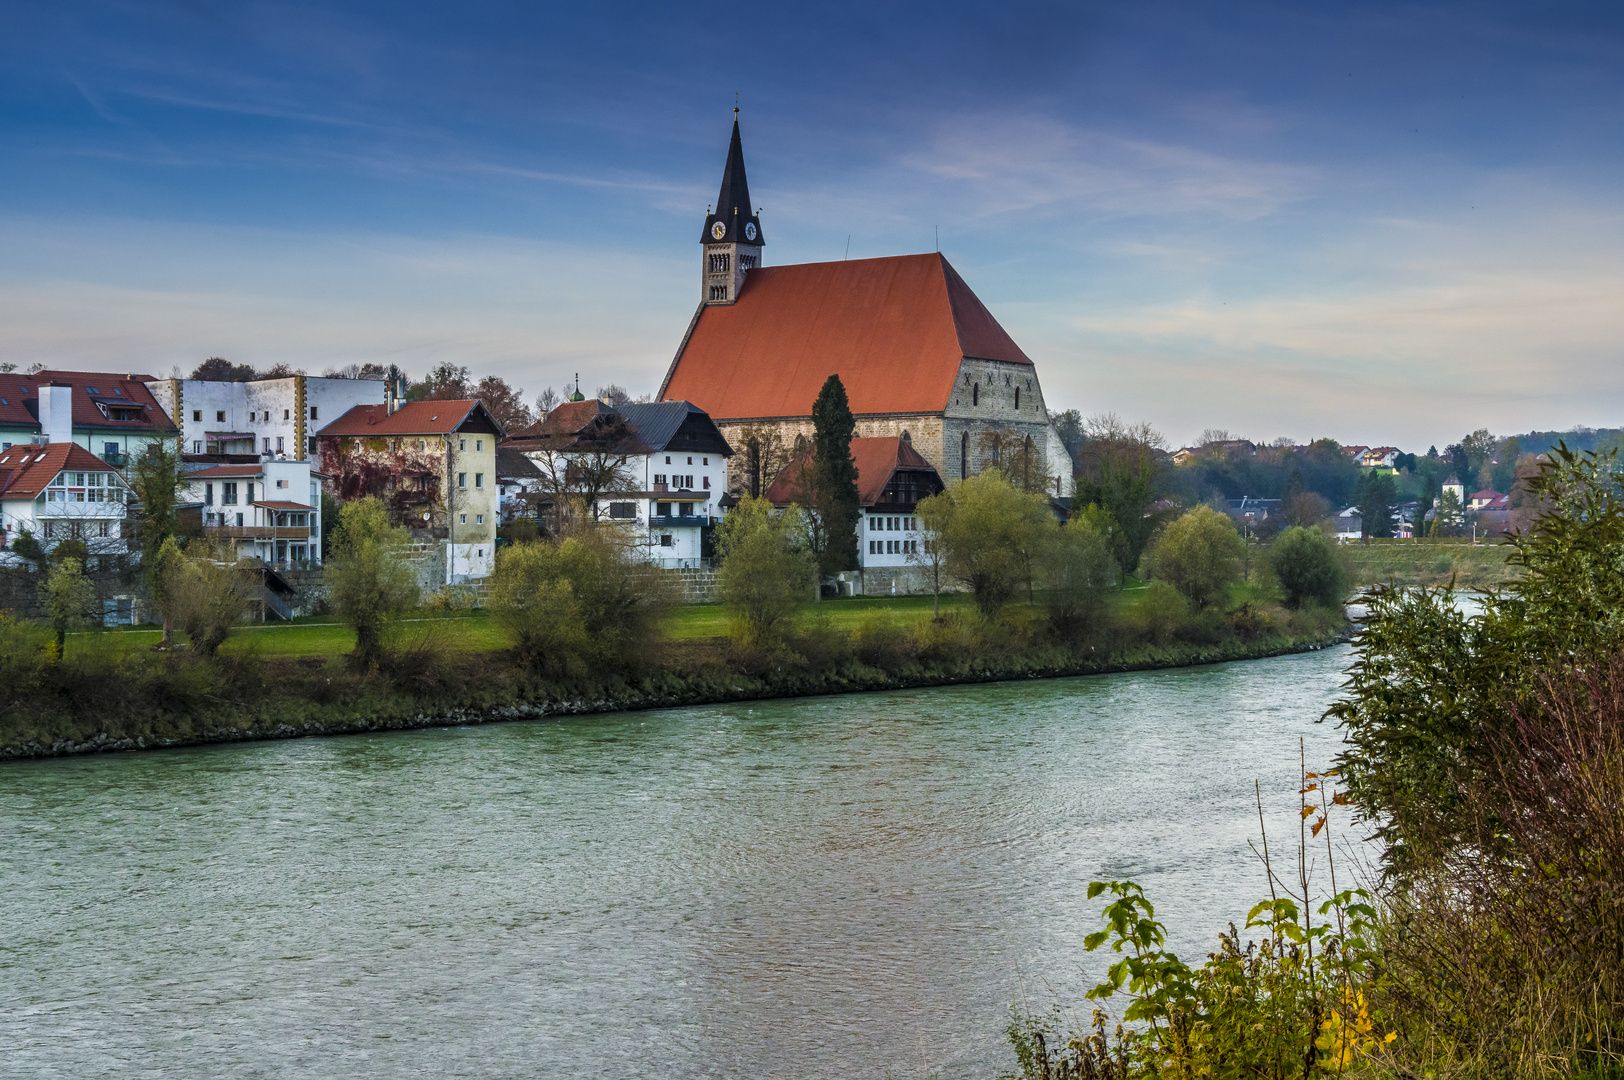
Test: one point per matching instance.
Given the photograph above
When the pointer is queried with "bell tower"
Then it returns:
(732, 235)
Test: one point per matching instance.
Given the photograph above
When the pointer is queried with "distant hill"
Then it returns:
(1581, 438)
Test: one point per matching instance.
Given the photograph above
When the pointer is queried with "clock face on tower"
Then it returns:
(718, 230)
(750, 230)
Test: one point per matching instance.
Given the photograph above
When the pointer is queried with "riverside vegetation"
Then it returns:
(1485, 752)
(582, 624)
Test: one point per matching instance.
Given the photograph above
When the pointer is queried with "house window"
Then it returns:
(479, 519)
(690, 461)
(104, 525)
(462, 444)
(975, 394)
(239, 521)
(312, 444)
(250, 491)
(964, 455)
(197, 414)
(685, 509)
(220, 416)
(623, 510)
(707, 483)
(464, 519)
(287, 414)
(419, 445)
(704, 461)
(663, 509)
(462, 479)
(668, 459)
(267, 445)
(279, 444)
(479, 444)
(665, 539)
(312, 412)
(208, 494)
(228, 494)
(1017, 397)
(659, 478)
(479, 479)
(197, 446)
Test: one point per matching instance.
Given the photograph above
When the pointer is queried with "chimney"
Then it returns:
(56, 413)
(394, 391)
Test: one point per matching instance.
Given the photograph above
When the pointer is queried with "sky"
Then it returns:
(1384, 223)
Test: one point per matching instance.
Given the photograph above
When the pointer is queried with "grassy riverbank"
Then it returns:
(1405, 562)
(112, 691)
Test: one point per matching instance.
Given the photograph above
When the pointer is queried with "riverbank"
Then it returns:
(1413, 563)
(159, 702)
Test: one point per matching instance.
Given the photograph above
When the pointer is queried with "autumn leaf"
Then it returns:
(1309, 811)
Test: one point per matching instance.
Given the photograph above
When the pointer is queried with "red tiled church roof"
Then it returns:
(893, 329)
(877, 459)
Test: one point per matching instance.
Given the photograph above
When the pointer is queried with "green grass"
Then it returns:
(1473, 566)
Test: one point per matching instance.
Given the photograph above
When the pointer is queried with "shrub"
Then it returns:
(881, 641)
(207, 595)
(1307, 569)
(69, 599)
(370, 583)
(994, 535)
(577, 605)
(1199, 554)
(1080, 569)
(1158, 613)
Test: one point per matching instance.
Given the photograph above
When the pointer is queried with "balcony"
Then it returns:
(256, 532)
(678, 521)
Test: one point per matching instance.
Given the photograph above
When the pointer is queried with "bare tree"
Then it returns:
(576, 471)
(763, 454)
(1017, 455)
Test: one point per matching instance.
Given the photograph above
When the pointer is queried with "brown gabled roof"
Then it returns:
(21, 396)
(895, 330)
(413, 418)
(25, 471)
(877, 460)
(566, 419)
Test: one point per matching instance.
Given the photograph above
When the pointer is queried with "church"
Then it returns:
(920, 355)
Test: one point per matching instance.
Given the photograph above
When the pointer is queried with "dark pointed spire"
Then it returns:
(738, 219)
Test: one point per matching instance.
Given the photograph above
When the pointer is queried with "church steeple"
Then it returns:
(732, 236)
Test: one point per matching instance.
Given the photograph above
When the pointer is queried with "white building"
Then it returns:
(668, 491)
(61, 491)
(277, 417)
(112, 416)
(892, 477)
(270, 511)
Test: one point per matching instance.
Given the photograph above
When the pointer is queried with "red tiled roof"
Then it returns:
(413, 418)
(115, 389)
(566, 419)
(25, 471)
(876, 460)
(895, 330)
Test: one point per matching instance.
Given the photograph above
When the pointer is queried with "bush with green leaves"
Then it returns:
(995, 536)
(370, 582)
(1307, 569)
(208, 594)
(766, 573)
(1199, 553)
(1080, 571)
(577, 606)
(69, 599)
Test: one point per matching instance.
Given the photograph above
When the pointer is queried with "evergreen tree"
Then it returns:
(1377, 500)
(835, 500)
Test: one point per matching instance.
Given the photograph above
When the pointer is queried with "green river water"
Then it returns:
(852, 886)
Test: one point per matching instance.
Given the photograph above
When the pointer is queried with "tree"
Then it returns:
(546, 401)
(280, 370)
(216, 369)
(1199, 554)
(1118, 468)
(1479, 449)
(209, 596)
(69, 599)
(157, 481)
(163, 572)
(993, 536)
(835, 499)
(370, 583)
(576, 471)
(766, 574)
(28, 546)
(1377, 502)
(1069, 426)
(1080, 570)
(446, 382)
(1449, 519)
(504, 402)
(932, 515)
(1435, 686)
(1307, 568)
(368, 370)
(613, 395)
(766, 453)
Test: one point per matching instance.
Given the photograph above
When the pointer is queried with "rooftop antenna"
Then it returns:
(848, 248)
(938, 239)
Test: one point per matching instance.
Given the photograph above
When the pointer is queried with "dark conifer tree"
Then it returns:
(835, 477)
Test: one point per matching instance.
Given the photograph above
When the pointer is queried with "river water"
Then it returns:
(834, 887)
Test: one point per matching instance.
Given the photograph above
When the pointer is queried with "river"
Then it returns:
(833, 887)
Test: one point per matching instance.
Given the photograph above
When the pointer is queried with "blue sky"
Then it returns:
(1383, 223)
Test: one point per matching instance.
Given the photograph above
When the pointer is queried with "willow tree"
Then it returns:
(370, 583)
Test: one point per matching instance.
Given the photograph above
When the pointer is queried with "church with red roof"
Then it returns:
(918, 352)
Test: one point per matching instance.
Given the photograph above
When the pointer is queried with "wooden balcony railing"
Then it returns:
(256, 532)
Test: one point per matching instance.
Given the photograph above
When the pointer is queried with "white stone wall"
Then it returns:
(282, 414)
